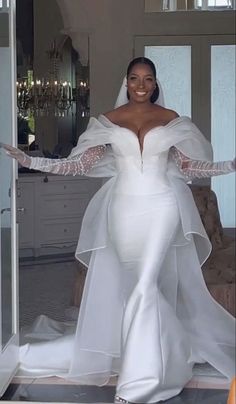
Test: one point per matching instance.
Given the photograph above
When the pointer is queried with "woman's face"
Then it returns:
(141, 83)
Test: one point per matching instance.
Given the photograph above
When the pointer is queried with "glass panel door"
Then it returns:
(223, 126)
(173, 65)
(8, 229)
(177, 59)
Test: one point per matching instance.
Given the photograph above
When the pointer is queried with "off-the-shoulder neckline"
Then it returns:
(170, 123)
(151, 130)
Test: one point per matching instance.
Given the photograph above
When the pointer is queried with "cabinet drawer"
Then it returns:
(57, 187)
(54, 231)
(60, 206)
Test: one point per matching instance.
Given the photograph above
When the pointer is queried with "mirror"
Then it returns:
(52, 88)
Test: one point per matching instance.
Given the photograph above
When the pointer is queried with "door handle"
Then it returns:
(9, 210)
(5, 210)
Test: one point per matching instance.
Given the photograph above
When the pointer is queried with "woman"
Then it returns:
(146, 311)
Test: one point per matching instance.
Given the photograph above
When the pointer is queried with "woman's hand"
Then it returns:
(17, 154)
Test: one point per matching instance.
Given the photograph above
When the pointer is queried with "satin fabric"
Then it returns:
(146, 313)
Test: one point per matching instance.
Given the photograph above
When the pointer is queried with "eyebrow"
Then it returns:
(146, 75)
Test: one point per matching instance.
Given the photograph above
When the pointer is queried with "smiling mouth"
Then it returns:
(141, 93)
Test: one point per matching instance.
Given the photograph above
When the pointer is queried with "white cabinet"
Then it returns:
(51, 212)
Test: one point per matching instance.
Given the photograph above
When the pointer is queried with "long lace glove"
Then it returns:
(79, 164)
(17, 154)
(201, 169)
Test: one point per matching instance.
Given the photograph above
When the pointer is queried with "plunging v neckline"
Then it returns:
(141, 145)
(157, 127)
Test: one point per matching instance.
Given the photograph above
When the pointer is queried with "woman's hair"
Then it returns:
(145, 61)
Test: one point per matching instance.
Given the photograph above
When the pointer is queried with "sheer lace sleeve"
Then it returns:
(201, 169)
(79, 164)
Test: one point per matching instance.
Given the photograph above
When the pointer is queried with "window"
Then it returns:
(185, 5)
(4, 3)
(214, 4)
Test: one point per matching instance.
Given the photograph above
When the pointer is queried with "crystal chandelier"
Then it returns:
(52, 96)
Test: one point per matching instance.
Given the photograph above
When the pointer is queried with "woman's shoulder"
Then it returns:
(166, 114)
(114, 114)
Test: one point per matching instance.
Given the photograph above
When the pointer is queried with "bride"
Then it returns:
(146, 314)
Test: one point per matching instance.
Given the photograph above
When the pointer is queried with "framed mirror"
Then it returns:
(52, 86)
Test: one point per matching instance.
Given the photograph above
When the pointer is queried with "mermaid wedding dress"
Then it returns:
(146, 313)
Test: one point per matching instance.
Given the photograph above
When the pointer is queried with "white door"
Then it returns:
(8, 230)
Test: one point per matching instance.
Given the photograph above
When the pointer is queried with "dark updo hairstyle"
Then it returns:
(145, 61)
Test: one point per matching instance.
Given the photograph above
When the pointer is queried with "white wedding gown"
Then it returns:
(146, 313)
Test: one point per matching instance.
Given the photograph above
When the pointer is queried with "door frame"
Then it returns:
(10, 353)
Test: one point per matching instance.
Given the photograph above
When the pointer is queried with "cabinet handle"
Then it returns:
(65, 230)
(45, 179)
(21, 210)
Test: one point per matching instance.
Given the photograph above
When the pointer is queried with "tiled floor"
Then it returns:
(42, 393)
(40, 294)
(56, 390)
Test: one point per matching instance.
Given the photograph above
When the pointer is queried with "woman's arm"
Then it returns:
(201, 169)
(79, 164)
